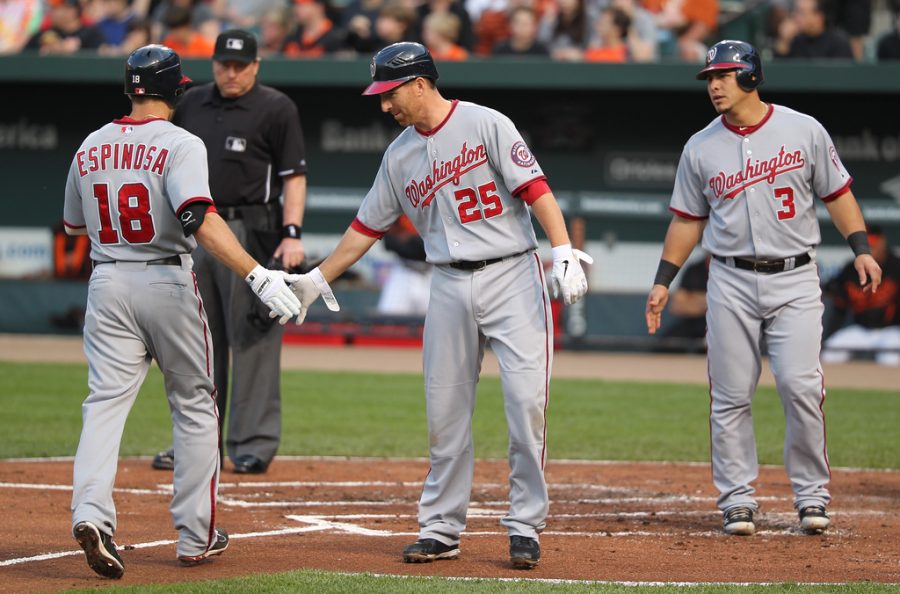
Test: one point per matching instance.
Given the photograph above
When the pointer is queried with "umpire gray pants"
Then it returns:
(240, 327)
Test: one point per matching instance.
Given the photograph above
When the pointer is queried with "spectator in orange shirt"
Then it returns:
(316, 34)
(612, 27)
(440, 31)
(691, 22)
(182, 38)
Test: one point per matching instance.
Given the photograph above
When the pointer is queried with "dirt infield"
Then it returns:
(608, 521)
(636, 522)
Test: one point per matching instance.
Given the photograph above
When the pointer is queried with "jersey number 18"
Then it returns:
(135, 221)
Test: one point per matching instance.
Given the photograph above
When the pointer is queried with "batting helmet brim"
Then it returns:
(721, 66)
(383, 86)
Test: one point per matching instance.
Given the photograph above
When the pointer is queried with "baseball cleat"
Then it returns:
(426, 550)
(217, 548)
(524, 552)
(739, 521)
(813, 519)
(164, 460)
(100, 550)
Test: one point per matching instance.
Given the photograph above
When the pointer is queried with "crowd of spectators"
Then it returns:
(568, 30)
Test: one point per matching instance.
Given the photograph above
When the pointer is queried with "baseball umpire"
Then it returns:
(465, 178)
(138, 188)
(748, 185)
(256, 153)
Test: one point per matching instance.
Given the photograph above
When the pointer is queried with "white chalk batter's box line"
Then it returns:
(165, 489)
(320, 524)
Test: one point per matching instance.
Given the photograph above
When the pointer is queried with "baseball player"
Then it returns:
(138, 188)
(465, 178)
(748, 184)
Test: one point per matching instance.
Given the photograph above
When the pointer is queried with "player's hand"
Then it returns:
(869, 272)
(566, 276)
(307, 288)
(290, 251)
(656, 303)
(271, 289)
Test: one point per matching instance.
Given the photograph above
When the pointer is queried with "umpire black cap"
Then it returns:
(155, 71)
(397, 64)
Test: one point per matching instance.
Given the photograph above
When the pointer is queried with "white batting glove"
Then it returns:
(566, 276)
(271, 289)
(308, 287)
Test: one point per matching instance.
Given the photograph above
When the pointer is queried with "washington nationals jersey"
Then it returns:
(457, 184)
(758, 184)
(129, 182)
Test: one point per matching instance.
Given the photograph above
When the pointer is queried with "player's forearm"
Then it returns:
(216, 238)
(681, 238)
(294, 199)
(546, 211)
(350, 249)
(845, 214)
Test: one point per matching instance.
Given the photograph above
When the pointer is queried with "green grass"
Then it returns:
(326, 583)
(356, 414)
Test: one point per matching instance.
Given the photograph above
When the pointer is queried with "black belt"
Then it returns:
(479, 264)
(170, 261)
(766, 266)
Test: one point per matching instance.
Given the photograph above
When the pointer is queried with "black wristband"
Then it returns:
(666, 273)
(859, 243)
(293, 231)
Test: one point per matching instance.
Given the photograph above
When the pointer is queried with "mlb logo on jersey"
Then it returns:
(233, 143)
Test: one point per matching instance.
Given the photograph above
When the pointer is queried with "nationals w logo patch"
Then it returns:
(520, 154)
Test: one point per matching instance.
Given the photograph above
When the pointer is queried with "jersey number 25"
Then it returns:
(135, 222)
(469, 208)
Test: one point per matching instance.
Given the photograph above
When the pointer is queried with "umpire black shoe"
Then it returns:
(217, 548)
(813, 519)
(426, 550)
(164, 460)
(739, 521)
(100, 550)
(524, 552)
(249, 464)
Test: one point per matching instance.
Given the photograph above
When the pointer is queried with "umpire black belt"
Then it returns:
(231, 213)
(479, 264)
(766, 266)
(170, 261)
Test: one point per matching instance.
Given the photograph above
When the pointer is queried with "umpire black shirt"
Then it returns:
(251, 141)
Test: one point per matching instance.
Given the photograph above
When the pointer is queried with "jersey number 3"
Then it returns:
(469, 209)
(135, 222)
(788, 210)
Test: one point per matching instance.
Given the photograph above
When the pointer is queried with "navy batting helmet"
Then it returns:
(735, 55)
(155, 71)
(397, 64)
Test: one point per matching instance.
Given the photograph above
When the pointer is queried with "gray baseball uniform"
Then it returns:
(458, 185)
(128, 183)
(758, 186)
